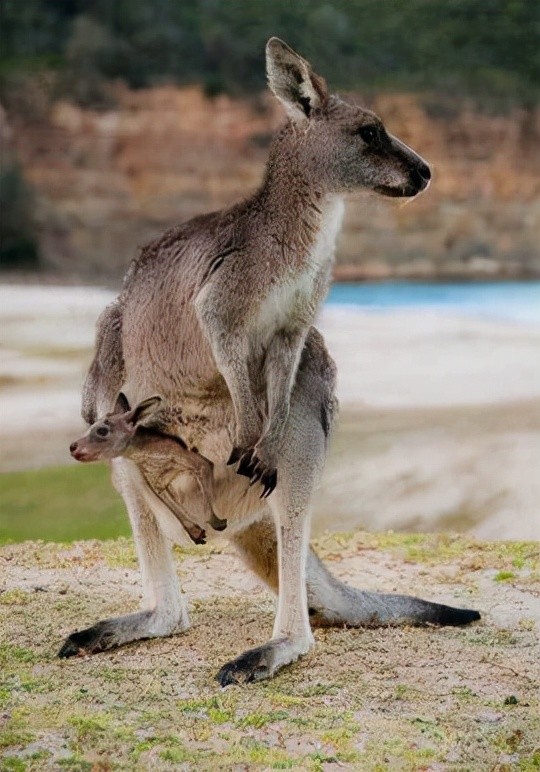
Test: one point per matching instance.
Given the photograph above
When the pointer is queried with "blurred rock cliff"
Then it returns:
(105, 182)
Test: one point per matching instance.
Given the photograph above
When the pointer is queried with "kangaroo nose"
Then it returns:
(73, 447)
(421, 176)
(425, 172)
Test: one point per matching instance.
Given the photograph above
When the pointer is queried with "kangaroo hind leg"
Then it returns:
(299, 468)
(164, 610)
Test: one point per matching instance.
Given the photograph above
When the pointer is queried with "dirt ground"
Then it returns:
(404, 699)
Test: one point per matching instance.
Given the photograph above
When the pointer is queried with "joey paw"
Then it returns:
(217, 523)
(197, 535)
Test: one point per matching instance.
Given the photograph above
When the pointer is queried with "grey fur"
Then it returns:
(106, 373)
(217, 318)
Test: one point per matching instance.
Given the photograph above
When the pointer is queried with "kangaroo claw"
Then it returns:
(269, 481)
(257, 474)
(247, 464)
(236, 455)
(251, 466)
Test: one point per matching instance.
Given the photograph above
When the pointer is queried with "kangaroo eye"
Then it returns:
(370, 134)
(102, 431)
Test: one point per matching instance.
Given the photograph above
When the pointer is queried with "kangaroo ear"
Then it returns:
(293, 81)
(121, 404)
(144, 410)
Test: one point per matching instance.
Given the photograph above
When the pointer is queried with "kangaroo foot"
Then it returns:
(116, 631)
(100, 637)
(261, 662)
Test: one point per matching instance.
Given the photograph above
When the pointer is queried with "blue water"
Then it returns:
(516, 301)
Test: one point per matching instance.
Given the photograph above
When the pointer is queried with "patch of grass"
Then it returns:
(13, 738)
(15, 597)
(259, 719)
(61, 504)
(13, 764)
(176, 755)
(254, 752)
(487, 637)
(218, 709)
(504, 576)
(10, 653)
(531, 763)
(429, 728)
(89, 727)
(320, 689)
(120, 553)
(76, 763)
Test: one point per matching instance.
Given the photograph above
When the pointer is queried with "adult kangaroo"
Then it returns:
(216, 317)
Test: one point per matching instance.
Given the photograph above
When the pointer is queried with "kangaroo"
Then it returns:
(216, 316)
(160, 458)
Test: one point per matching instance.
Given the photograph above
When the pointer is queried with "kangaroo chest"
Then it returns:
(295, 298)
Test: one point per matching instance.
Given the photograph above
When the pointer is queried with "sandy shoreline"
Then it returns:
(440, 413)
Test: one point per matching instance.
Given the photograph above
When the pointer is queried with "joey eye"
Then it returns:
(369, 134)
(102, 431)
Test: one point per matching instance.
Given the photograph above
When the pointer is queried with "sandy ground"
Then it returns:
(404, 699)
(439, 426)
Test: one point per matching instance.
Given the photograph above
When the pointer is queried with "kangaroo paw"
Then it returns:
(217, 523)
(196, 534)
(250, 465)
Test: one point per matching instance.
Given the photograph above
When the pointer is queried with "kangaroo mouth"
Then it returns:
(417, 179)
(400, 191)
(82, 455)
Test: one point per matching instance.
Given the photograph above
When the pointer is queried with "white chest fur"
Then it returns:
(325, 245)
(298, 294)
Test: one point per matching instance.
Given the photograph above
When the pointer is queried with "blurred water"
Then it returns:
(516, 301)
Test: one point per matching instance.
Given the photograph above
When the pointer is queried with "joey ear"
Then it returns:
(293, 81)
(122, 404)
(144, 410)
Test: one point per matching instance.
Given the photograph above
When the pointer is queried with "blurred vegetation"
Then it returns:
(61, 504)
(487, 49)
(18, 243)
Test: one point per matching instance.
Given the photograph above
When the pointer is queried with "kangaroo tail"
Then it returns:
(333, 603)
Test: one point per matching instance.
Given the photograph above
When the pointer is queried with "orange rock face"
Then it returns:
(107, 182)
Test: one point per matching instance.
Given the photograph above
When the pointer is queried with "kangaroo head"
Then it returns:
(111, 435)
(340, 147)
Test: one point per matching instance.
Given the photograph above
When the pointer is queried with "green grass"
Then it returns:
(61, 504)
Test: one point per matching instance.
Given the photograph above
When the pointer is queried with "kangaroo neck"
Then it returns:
(291, 204)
